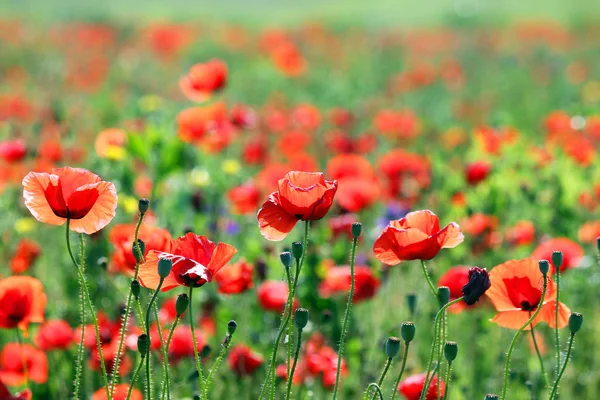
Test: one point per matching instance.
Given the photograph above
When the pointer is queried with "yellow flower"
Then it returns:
(115, 153)
(231, 167)
(24, 225)
(200, 177)
(129, 204)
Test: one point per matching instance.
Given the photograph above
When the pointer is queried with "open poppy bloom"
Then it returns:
(237, 278)
(74, 193)
(120, 393)
(204, 79)
(22, 301)
(243, 360)
(305, 196)
(412, 387)
(572, 252)
(516, 292)
(11, 364)
(417, 236)
(195, 262)
(54, 335)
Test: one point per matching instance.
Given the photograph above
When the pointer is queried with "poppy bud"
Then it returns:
(407, 331)
(450, 351)
(136, 253)
(557, 259)
(135, 288)
(443, 295)
(356, 229)
(143, 206)
(286, 259)
(479, 282)
(103, 262)
(143, 344)
(297, 250)
(392, 346)
(231, 327)
(411, 300)
(196, 397)
(181, 304)
(164, 267)
(205, 351)
(491, 397)
(301, 318)
(544, 266)
(575, 322)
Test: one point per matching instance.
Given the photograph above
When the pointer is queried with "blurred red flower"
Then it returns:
(338, 279)
(204, 79)
(11, 364)
(244, 361)
(589, 232)
(25, 255)
(244, 198)
(120, 393)
(13, 151)
(5, 393)
(477, 171)
(412, 386)
(54, 334)
(521, 234)
(22, 301)
(236, 278)
(572, 252)
(272, 296)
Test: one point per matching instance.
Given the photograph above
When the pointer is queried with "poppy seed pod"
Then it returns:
(231, 327)
(356, 229)
(301, 318)
(411, 301)
(181, 304)
(575, 322)
(407, 331)
(392, 347)
(557, 259)
(297, 250)
(135, 288)
(450, 351)
(143, 344)
(443, 295)
(164, 267)
(479, 282)
(286, 259)
(491, 397)
(136, 253)
(544, 266)
(143, 206)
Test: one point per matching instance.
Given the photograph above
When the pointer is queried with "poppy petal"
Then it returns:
(424, 220)
(148, 274)
(513, 319)
(273, 221)
(101, 213)
(450, 236)
(221, 256)
(73, 178)
(34, 186)
(395, 245)
(548, 314)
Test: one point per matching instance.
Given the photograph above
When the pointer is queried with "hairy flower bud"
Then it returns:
(301, 318)
(181, 304)
(479, 283)
(143, 206)
(408, 331)
(392, 347)
(356, 229)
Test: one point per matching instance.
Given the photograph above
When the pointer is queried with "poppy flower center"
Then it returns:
(76, 206)
(190, 273)
(522, 293)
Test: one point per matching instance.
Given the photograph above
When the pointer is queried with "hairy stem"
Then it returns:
(399, 378)
(196, 356)
(554, 392)
(291, 374)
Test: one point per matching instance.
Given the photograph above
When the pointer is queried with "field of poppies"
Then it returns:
(188, 208)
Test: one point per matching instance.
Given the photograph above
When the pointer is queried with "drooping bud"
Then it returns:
(286, 259)
(411, 301)
(181, 304)
(356, 230)
(297, 250)
(450, 351)
(164, 267)
(443, 295)
(479, 283)
(557, 259)
(136, 253)
(392, 347)
(407, 331)
(544, 266)
(231, 327)
(135, 288)
(575, 322)
(143, 206)
(143, 344)
(301, 318)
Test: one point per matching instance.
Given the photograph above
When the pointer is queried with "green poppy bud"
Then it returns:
(392, 347)
(301, 317)
(491, 397)
(411, 301)
(297, 250)
(164, 267)
(231, 327)
(205, 351)
(143, 344)
(544, 266)
(181, 304)
(557, 259)
(575, 322)
(286, 259)
(450, 351)
(143, 206)
(407, 331)
(356, 229)
(135, 288)
(443, 295)
(136, 253)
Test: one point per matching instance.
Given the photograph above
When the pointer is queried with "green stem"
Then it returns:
(291, 374)
(436, 323)
(166, 360)
(514, 340)
(556, 333)
(441, 341)
(23, 360)
(135, 376)
(219, 360)
(554, 392)
(448, 376)
(117, 360)
(86, 295)
(397, 383)
(140, 312)
(148, 363)
(428, 279)
(377, 391)
(198, 364)
(346, 318)
(80, 348)
(385, 370)
(167, 387)
(537, 350)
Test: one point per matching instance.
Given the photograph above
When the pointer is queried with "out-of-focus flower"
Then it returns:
(13, 151)
(204, 79)
(25, 255)
(412, 386)
(22, 301)
(244, 198)
(272, 296)
(521, 234)
(572, 252)
(476, 172)
(244, 361)
(397, 124)
(54, 334)
(12, 372)
(110, 144)
(120, 393)
(589, 232)
(236, 278)
(338, 279)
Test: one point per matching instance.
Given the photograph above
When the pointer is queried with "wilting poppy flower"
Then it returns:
(478, 284)
(522, 234)
(516, 292)
(13, 151)
(121, 237)
(120, 393)
(417, 236)
(22, 301)
(589, 232)
(338, 280)
(236, 278)
(244, 361)
(5, 393)
(54, 335)
(11, 364)
(74, 193)
(195, 262)
(305, 196)
(572, 252)
(412, 387)
(477, 172)
(110, 144)
(454, 279)
(244, 198)
(25, 255)
(272, 296)
(204, 79)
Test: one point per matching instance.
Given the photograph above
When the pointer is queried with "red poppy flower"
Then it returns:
(589, 232)
(522, 234)
(516, 293)
(54, 335)
(120, 393)
(11, 364)
(477, 171)
(254, 152)
(194, 123)
(482, 230)
(417, 236)
(306, 116)
(244, 198)
(321, 360)
(407, 173)
(195, 262)
(398, 124)
(5, 393)
(338, 280)
(455, 278)
(237, 278)
(242, 116)
(272, 296)
(342, 225)
(300, 196)
(107, 328)
(358, 187)
(13, 151)
(203, 80)
(572, 252)
(121, 237)
(73, 193)
(294, 141)
(288, 59)
(25, 255)
(412, 387)
(243, 361)
(22, 301)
